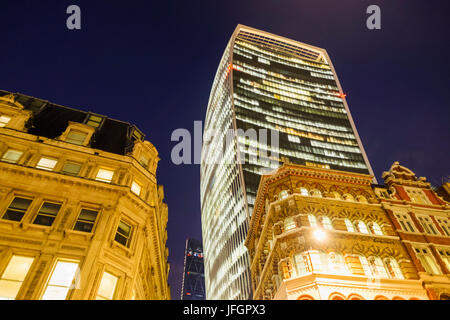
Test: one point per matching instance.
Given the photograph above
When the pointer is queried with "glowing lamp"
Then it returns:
(319, 234)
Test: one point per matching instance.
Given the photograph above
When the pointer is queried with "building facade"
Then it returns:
(291, 90)
(81, 214)
(193, 287)
(422, 220)
(324, 234)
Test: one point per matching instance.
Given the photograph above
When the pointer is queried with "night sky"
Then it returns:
(152, 63)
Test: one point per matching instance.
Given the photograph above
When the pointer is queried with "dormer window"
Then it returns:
(76, 137)
(4, 120)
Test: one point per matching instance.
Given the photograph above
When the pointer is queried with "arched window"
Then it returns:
(289, 224)
(349, 225)
(393, 269)
(312, 220)
(326, 223)
(283, 195)
(377, 267)
(316, 193)
(365, 265)
(336, 195)
(301, 264)
(361, 227)
(361, 199)
(375, 228)
(336, 263)
(348, 197)
(304, 191)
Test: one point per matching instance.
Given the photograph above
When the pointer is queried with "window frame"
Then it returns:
(47, 168)
(104, 169)
(68, 173)
(424, 253)
(24, 212)
(25, 277)
(428, 224)
(51, 273)
(404, 219)
(94, 225)
(130, 236)
(13, 150)
(114, 295)
(47, 215)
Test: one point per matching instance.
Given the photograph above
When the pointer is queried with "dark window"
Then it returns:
(86, 220)
(47, 213)
(17, 209)
(71, 168)
(123, 234)
(94, 121)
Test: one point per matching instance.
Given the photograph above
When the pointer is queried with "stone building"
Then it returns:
(421, 218)
(81, 214)
(324, 234)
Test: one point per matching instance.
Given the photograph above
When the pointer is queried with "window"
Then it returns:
(289, 224)
(405, 222)
(86, 220)
(326, 223)
(47, 213)
(445, 256)
(76, 137)
(94, 121)
(17, 209)
(4, 120)
(13, 276)
(361, 227)
(375, 229)
(377, 267)
(316, 193)
(12, 156)
(319, 261)
(144, 161)
(365, 265)
(336, 263)
(427, 261)
(349, 225)
(283, 195)
(104, 175)
(71, 168)
(393, 269)
(348, 197)
(312, 220)
(61, 280)
(336, 195)
(417, 195)
(361, 199)
(427, 224)
(136, 188)
(304, 192)
(301, 264)
(286, 268)
(46, 164)
(123, 233)
(445, 225)
(107, 287)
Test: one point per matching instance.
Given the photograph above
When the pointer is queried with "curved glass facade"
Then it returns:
(290, 88)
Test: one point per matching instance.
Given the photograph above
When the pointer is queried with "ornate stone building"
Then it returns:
(422, 220)
(323, 234)
(81, 214)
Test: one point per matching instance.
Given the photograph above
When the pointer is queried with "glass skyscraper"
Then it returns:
(268, 82)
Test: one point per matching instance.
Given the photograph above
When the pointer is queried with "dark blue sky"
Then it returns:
(152, 63)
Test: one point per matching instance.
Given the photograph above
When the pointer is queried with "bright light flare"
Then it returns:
(319, 234)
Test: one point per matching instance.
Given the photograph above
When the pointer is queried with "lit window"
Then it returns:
(4, 120)
(301, 264)
(71, 168)
(304, 192)
(289, 224)
(319, 261)
(393, 269)
(375, 229)
(13, 276)
(326, 223)
(405, 222)
(445, 255)
(104, 175)
(94, 121)
(348, 197)
(336, 263)
(312, 220)
(46, 164)
(136, 188)
(86, 220)
(17, 209)
(76, 137)
(377, 267)
(417, 195)
(12, 156)
(107, 287)
(361, 227)
(316, 193)
(365, 265)
(427, 224)
(427, 261)
(61, 281)
(123, 234)
(283, 194)
(349, 225)
(47, 213)
(445, 225)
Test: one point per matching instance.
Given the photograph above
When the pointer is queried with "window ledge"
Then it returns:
(127, 251)
(75, 235)
(35, 227)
